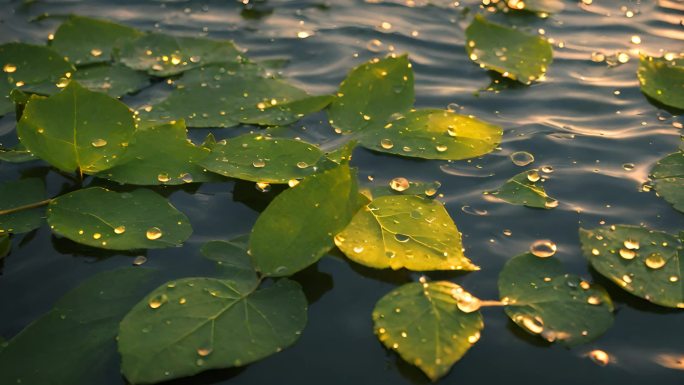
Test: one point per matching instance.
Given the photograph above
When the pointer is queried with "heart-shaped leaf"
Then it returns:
(98, 217)
(525, 189)
(423, 323)
(433, 134)
(76, 129)
(514, 54)
(545, 301)
(372, 93)
(668, 178)
(195, 324)
(662, 79)
(234, 262)
(17, 194)
(404, 231)
(644, 262)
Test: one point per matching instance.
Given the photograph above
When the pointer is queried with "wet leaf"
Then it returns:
(86, 40)
(297, 228)
(433, 134)
(260, 158)
(98, 217)
(644, 262)
(234, 262)
(160, 155)
(18, 154)
(422, 322)
(662, 80)
(74, 343)
(404, 231)
(14, 194)
(6, 104)
(558, 307)
(372, 93)
(423, 189)
(165, 55)
(521, 190)
(195, 324)
(668, 178)
(76, 129)
(5, 247)
(28, 64)
(508, 51)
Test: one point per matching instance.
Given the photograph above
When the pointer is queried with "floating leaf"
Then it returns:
(668, 178)
(165, 55)
(398, 187)
(26, 64)
(662, 79)
(6, 104)
(545, 301)
(525, 189)
(260, 158)
(98, 217)
(512, 53)
(85, 40)
(297, 228)
(644, 262)
(232, 258)
(423, 323)
(160, 155)
(220, 97)
(18, 154)
(434, 134)
(76, 129)
(5, 247)
(74, 343)
(404, 231)
(372, 93)
(21, 193)
(195, 324)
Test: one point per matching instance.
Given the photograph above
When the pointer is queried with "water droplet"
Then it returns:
(386, 144)
(97, 236)
(599, 357)
(631, 244)
(674, 278)
(120, 230)
(401, 238)
(97, 143)
(533, 176)
(543, 248)
(263, 186)
(474, 338)
(153, 233)
(157, 301)
(522, 158)
(139, 260)
(655, 261)
(203, 352)
(259, 163)
(9, 68)
(626, 278)
(358, 249)
(175, 59)
(593, 300)
(302, 165)
(534, 324)
(627, 254)
(96, 52)
(187, 178)
(399, 184)
(547, 169)
(163, 177)
(595, 252)
(628, 166)
(441, 148)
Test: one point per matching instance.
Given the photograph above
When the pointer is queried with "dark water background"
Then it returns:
(573, 121)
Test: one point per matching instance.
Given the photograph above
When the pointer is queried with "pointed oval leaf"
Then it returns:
(234, 262)
(434, 134)
(644, 262)
(20, 193)
(422, 322)
(76, 129)
(545, 301)
(512, 53)
(668, 178)
(28, 64)
(297, 228)
(662, 80)
(195, 324)
(404, 231)
(521, 190)
(372, 93)
(98, 217)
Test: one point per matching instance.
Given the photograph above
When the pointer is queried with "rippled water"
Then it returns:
(586, 120)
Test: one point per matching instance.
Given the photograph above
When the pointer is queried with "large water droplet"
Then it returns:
(9, 68)
(157, 301)
(631, 244)
(655, 261)
(154, 233)
(599, 357)
(259, 163)
(543, 248)
(386, 144)
(522, 158)
(399, 184)
(97, 143)
(627, 253)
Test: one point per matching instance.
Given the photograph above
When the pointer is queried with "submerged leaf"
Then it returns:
(433, 134)
(644, 262)
(98, 217)
(195, 324)
(76, 129)
(512, 53)
(662, 79)
(234, 262)
(404, 231)
(668, 178)
(20, 193)
(545, 301)
(423, 323)
(525, 189)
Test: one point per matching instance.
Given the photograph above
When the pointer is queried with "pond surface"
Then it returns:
(586, 120)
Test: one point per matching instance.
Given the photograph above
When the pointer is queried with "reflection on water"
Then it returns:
(587, 122)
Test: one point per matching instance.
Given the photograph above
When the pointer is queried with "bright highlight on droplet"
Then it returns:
(153, 233)
(543, 248)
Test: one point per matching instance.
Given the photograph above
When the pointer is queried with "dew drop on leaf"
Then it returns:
(655, 261)
(153, 233)
(157, 301)
(543, 248)
(399, 184)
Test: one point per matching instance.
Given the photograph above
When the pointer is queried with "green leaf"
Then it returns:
(30, 64)
(20, 193)
(85, 40)
(160, 155)
(372, 93)
(512, 53)
(74, 343)
(260, 158)
(404, 231)
(165, 55)
(6, 104)
(521, 190)
(18, 154)
(220, 97)
(5, 247)
(545, 301)
(668, 178)
(233, 260)
(423, 323)
(195, 324)
(423, 189)
(662, 80)
(76, 129)
(433, 134)
(644, 262)
(537, 6)
(98, 217)
(298, 226)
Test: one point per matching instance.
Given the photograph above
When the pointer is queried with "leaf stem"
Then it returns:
(25, 207)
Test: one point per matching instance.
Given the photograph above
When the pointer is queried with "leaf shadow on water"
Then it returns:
(164, 190)
(408, 371)
(27, 238)
(314, 283)
(671, 110)
(68, 247)
(210, 377)
(500, 83)
(247, 194)
(394, 277)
